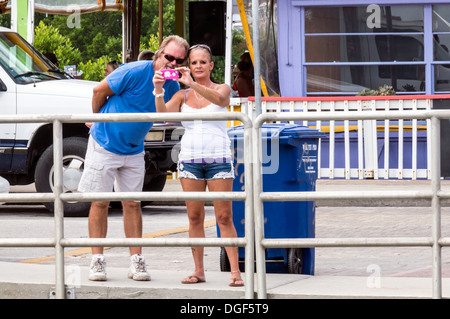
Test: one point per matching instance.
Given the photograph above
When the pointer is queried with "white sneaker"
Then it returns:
(98, 268)
(138, 269)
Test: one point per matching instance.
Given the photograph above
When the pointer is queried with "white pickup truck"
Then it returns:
(31, 84)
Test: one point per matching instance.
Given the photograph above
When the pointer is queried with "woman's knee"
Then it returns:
(196, 218)
(224, 218)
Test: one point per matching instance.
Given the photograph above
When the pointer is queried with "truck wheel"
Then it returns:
(295, 260)
(74, 151)
(224, 262)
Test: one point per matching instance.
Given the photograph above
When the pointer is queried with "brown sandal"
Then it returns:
(234, 284)
(236, 279)
(188, 280)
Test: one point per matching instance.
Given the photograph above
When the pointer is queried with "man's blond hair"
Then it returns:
(179, 40)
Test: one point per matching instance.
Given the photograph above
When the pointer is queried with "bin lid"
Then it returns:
(278, 131)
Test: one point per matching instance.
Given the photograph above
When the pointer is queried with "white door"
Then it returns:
(7, 130)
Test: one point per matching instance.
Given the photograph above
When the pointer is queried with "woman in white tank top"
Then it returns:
(205, 155)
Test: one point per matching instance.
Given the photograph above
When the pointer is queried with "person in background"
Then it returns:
(146, 55)
(205, 155)
(115, 153)
(52, 57)
(110, 67)
(243, 83)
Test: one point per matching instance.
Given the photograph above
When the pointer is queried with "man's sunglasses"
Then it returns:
(172, 58)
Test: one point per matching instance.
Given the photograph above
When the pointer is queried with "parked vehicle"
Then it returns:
(31, 84)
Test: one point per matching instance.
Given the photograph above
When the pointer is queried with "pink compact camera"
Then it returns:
(170, 74)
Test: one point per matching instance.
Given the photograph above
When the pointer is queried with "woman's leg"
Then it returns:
(196, 215)
(224, 218)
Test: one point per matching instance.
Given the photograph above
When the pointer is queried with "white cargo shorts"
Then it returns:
(105, 171)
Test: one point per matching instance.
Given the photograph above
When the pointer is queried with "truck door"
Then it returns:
(7, 130)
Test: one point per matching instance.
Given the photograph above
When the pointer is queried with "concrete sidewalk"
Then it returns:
(37, 282)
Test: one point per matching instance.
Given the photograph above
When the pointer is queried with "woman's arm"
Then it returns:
(173, 105)
(219, 96)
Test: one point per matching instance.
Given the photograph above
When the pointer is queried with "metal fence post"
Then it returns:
(58, 208)
(259, 212)
(249, 217)
(436, 206)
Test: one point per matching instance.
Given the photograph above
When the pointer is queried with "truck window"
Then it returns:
(23, 63)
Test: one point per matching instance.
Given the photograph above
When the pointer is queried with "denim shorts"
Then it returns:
(205, 171)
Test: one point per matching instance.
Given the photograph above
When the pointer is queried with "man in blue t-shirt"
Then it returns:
(115, 154)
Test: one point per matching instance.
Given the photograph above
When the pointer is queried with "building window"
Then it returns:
(441, 46)
(347, 49)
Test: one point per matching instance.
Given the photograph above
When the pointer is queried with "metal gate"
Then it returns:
(435, 194)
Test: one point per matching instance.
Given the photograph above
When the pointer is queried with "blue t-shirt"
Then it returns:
(133, 93)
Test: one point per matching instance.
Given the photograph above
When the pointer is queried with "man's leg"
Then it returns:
(132, 220)
(98, 176)
(130, 178)
(98, 223)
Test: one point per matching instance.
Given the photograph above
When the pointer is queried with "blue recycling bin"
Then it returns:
(289, 164)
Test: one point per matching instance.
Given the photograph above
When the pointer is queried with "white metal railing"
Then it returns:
(254, 241)
(435, 241)
(358, 149)
(59, 242)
